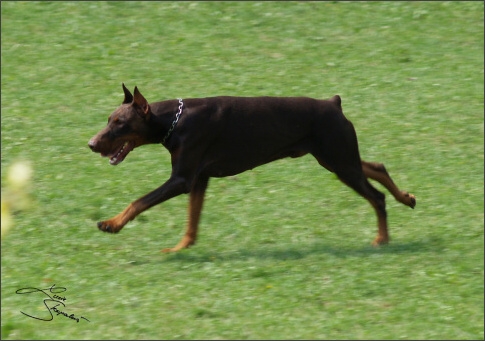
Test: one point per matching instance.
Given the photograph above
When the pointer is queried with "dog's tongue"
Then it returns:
(121, 154)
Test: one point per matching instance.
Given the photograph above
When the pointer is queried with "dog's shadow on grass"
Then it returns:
(300, 251)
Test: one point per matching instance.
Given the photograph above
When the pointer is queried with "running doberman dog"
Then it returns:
(223, 136)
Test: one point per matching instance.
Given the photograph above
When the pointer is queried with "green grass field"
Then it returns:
(284, 250)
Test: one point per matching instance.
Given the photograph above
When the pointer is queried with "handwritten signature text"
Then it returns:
(53, 302)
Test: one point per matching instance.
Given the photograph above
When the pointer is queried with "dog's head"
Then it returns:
(128, 127)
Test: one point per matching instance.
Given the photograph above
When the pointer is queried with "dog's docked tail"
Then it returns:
(337, 101)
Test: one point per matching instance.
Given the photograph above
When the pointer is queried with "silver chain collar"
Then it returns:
(174, 123)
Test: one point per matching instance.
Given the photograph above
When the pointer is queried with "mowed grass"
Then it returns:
(284, 250)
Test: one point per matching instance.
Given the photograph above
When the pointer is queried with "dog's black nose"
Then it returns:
(92, 144)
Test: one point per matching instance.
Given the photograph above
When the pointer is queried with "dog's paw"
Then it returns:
(409, 199)
(109, 226)
(175, 248)
(380, 240)
(185, 243)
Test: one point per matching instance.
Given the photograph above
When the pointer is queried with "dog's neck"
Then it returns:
(174, 123)
(166, 116)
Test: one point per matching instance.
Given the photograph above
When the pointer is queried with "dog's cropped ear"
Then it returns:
(141, 101)
(337, 101)
(128, 95)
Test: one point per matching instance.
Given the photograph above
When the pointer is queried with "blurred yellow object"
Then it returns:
(16, 195)
(6, 218)
(19, 175)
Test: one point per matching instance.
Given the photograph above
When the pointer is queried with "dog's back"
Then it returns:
(257, 130)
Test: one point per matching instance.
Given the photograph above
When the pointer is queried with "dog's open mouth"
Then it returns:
(120, 154)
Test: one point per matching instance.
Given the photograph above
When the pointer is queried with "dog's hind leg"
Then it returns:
(358, 182)
(377, 171)
(349, 172)
(196, 201)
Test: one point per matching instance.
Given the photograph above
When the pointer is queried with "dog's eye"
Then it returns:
(115, 120)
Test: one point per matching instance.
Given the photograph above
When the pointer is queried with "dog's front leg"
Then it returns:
(173, 187)
(196, 202)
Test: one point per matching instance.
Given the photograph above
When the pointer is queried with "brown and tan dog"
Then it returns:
(222, 136)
